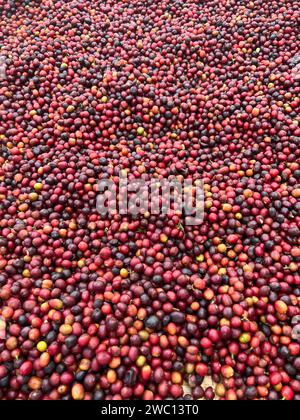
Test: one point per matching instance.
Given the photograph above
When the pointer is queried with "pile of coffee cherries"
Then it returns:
(140, 306)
